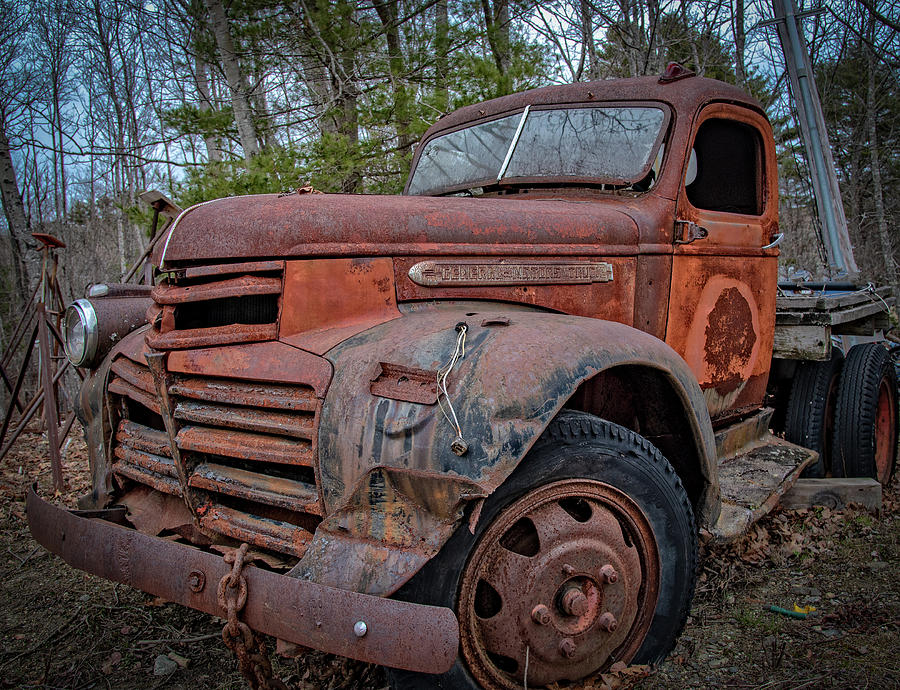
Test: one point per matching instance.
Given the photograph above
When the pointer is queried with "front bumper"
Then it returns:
(399, 634)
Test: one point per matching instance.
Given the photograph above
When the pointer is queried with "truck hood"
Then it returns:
(298, 225)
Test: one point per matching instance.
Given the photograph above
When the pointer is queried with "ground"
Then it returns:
(61, 628)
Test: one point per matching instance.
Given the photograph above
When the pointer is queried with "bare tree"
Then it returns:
(237, 83)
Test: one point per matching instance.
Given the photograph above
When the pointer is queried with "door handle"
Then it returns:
(776, 240)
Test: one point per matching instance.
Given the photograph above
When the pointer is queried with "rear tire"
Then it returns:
(594, 493)
(865, 426)
(810, 411)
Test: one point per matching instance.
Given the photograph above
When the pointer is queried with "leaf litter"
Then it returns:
(64, 628)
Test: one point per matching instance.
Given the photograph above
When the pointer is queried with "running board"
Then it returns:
(755, 470)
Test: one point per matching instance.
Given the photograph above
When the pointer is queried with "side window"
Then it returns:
(728, 170)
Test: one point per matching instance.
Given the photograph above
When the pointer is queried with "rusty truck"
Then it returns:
(472, 432)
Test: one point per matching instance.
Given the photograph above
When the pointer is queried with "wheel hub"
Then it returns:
(564, 581)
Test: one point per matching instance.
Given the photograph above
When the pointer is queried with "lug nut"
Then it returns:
(540, 614)
(608, 573)
(567, 647)
(608, 622)
(574, 602)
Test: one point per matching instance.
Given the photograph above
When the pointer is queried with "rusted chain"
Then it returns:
(249, 648)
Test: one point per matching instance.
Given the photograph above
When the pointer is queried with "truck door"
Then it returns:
(724, 277)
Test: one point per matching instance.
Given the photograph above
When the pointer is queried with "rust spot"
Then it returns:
(729, 335)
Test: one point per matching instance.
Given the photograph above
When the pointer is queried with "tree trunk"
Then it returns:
(237, 85)
(877, 191)
(496, 24)
(442, 50)
(387, 13)
(213, 154)
(587, 39)
(740, 41)
(14, 210)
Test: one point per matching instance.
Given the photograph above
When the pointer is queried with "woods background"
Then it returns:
(103, 99)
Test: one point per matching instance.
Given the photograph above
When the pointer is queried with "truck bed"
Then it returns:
(805, 319)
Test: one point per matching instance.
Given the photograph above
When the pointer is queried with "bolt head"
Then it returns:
(608, 573)
(196, 581)
(568, 569)
(360, 628)
(608, 622)
(567, 647)
(574, 602)
(540, 614)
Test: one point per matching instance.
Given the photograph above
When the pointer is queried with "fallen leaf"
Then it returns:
(111, 661)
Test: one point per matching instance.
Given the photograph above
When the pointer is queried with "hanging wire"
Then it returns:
(459, 445)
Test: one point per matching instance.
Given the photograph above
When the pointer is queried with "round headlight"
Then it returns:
(81, 332)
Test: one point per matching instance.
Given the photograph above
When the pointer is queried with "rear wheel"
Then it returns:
(865, 427)
(810, 411)
(585, 556)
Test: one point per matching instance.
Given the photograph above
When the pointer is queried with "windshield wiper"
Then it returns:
(512, 144)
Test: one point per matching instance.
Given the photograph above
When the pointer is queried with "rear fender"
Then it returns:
(394, 490)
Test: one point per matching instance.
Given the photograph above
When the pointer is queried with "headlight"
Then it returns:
(81, 332)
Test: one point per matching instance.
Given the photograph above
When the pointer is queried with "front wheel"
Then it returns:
(585, 556)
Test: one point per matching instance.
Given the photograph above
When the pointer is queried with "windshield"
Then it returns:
(604, 145)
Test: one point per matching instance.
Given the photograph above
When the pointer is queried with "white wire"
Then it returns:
(444, 373)
(525, 683)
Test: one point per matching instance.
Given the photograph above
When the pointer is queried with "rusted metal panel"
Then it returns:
(232, 287)
(398, 382)
(216, 335)
(267, 533)
(133, 373)
(510, 384)
(317, 226)
(261, 394)
(721, 312)
(273, 362)
(334, 295)
(143, 438)
(122, 387)
(159, 482)
(722, 321)
(158, 464)
(246, 418)
(253, 486)
(399, 634)
(613, 299)
(651, 290)
(232, 268)
(238, 444)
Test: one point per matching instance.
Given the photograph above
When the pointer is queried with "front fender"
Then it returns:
(394, 490)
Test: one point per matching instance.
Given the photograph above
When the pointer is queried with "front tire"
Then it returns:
(585, 556)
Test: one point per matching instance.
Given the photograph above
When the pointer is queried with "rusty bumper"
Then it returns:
(399, 634)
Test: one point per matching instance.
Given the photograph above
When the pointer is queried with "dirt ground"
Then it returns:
(61, 628)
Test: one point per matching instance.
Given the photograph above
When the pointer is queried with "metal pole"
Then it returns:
(51, 414)
(815, 139)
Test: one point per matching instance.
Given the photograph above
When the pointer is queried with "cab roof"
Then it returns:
(686, 94)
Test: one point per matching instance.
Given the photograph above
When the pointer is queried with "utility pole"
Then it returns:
(815, 137)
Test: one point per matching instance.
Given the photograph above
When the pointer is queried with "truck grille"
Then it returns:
(247, 449)
(217, 305)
